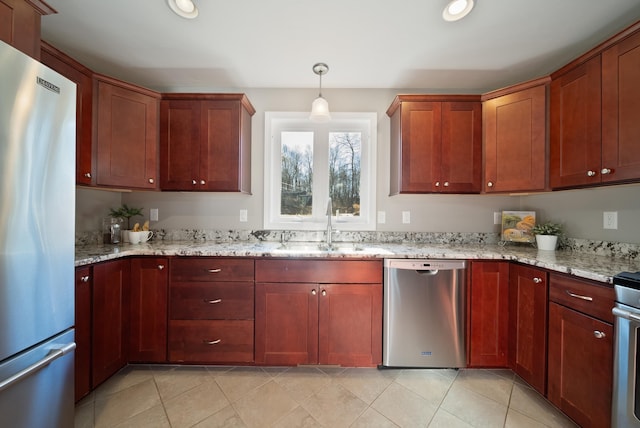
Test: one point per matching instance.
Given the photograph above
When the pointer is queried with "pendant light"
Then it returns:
(183, 8)
(457, 9)
(320, 106)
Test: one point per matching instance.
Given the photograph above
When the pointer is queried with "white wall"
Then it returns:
(580, 210)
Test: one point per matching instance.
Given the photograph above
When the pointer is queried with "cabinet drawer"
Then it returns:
(320, 271)
(583, 296)
(212, 269)
(211, 300)
(224, 341)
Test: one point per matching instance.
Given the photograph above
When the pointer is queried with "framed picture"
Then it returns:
(517, 225)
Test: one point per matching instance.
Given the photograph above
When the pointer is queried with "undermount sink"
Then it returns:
(322, 247)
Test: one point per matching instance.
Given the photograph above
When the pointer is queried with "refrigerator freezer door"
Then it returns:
(37, 209)
(36, 394)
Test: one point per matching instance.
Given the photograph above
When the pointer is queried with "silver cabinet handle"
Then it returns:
(194, 182)
(599, 334)
(212, 302)
(591, 173)
(214, 270)
(314, 292)
(490, 184)
(87, 174)
(605, 171)
(537, 280)
(324, 292)
(85, 278)
(577, 296)
(202, 182)
(212, 342)
(54, 354)
(160, 267)
(437, 184)
(151, 180)
(446, 184)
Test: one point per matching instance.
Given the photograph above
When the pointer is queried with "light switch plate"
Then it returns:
(406, 217)
(153, 214)
(382, 217)
(243, 215)
(610, 220)
(497, 218)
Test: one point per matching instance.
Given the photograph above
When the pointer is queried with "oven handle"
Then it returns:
(621, 313)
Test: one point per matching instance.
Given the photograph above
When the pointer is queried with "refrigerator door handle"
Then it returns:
(54, 354)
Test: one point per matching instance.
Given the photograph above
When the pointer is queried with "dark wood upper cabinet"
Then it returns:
(594, 115)
(515, 138)
(620, 110)
(81, 75)
(20, 24)
(205, 142)
(436, 144)
(125, 134)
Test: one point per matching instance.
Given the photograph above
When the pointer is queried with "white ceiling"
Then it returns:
(399, 44)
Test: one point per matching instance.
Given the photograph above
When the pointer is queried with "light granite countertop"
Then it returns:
(583, 265)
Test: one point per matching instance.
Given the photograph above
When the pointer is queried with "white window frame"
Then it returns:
(275, 124)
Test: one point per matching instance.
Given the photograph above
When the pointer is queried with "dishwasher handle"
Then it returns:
(430, 272)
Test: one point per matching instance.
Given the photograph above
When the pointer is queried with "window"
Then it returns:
(307, 163)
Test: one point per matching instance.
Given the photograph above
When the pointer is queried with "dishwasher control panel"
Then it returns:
(424, 264)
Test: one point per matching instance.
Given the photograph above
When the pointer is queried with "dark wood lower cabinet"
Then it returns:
(82, 357)
(110, 319)
(580, 366)
(148, 314)
(528, 291)
(489, 314)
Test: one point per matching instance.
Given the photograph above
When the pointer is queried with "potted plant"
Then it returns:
(125, 212)
(547, 235)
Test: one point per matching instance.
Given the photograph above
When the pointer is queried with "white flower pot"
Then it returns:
(546, 242)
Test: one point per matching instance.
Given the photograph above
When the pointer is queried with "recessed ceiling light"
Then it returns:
(457, 9)
(183, 8)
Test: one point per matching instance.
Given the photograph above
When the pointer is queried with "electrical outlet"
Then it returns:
(406, 217)
(497, 218)
(153, 214)
(382, 217)
(610, 220)
(243, 215)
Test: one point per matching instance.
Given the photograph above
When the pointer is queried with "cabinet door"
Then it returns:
(82, 356)
(221, 165)
(79, 74)
(418, 148)
(489, 318)
(620, 101)
(461, 150)
(575, 126)
(180, 145)
(148, 316)
(286, 324)
(350, 324)
(528, 324)
(110, 319)
(20, 24)
(127, 137)
(580, 366)
(515, 141)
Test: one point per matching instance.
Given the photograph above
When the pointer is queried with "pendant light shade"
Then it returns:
(320, 106)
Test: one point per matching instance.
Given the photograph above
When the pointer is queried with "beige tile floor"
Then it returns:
(179, 397)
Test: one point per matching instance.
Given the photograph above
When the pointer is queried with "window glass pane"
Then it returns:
(297, 173)
(345, 150)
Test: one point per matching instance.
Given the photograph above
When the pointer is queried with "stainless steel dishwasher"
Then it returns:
(424, 313)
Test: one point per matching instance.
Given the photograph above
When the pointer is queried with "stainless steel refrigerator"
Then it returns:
(37, 210)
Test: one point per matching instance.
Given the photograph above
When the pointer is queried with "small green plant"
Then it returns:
(125, 212)
(547, 228)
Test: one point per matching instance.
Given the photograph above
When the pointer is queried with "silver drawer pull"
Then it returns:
(577, 296)
(537, 280)
(211, 342)
(214, 270)
(212, 302)
(85, 278)
(599, 334)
